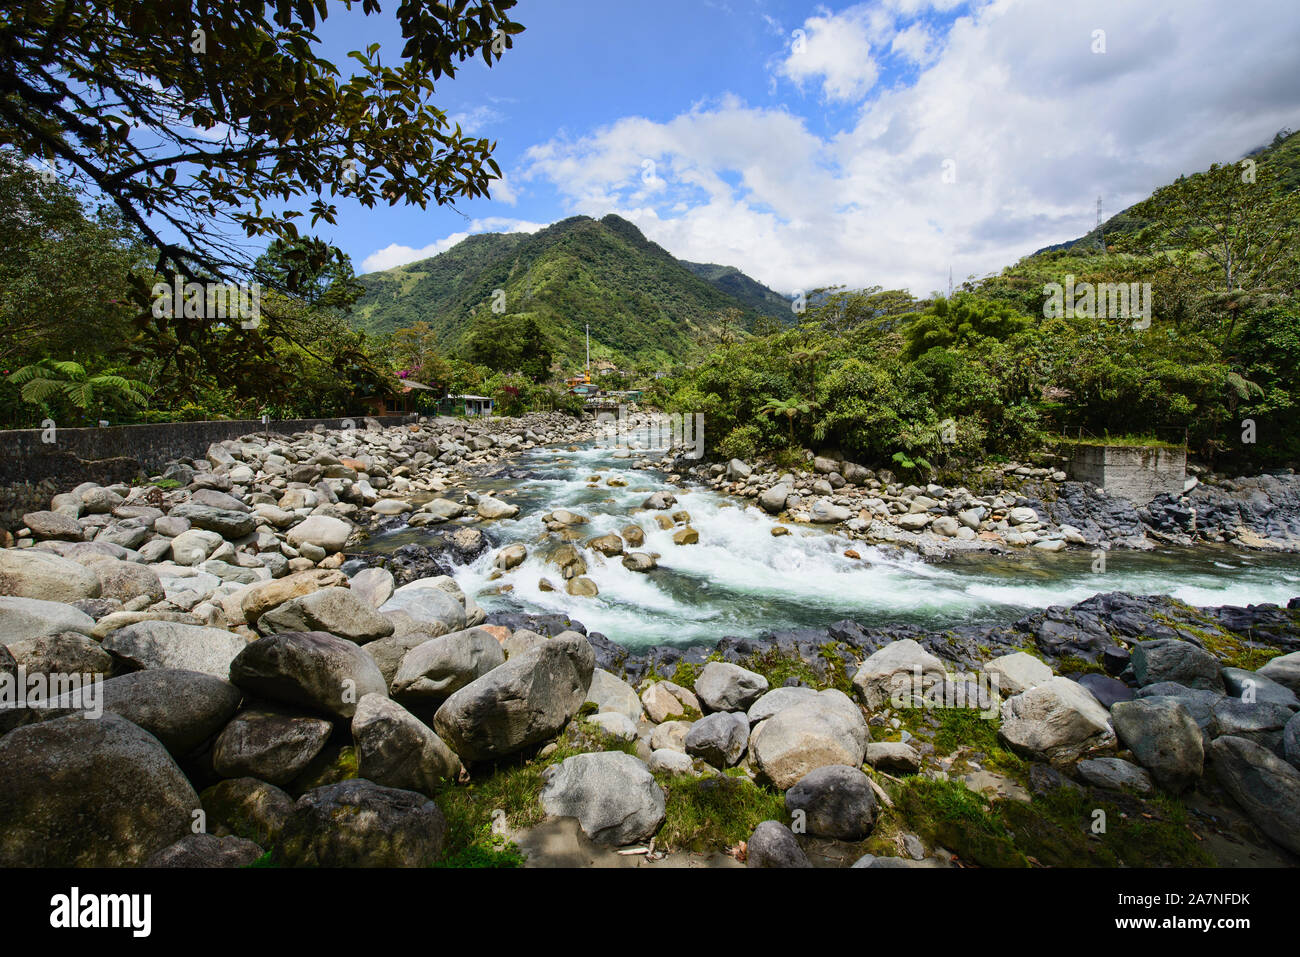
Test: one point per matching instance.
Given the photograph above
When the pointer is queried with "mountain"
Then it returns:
(644, 306)
(749, 291)
(1283, 155)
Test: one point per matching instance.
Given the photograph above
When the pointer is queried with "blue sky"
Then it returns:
(881, 142)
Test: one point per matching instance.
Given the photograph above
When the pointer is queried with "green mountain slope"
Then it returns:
(1282, 156)
(644, 306)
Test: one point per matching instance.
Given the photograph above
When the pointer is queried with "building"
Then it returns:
(408, 400)
(468, 405)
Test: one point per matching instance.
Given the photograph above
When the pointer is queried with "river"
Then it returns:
(741, 580)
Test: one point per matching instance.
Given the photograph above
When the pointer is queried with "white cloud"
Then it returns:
(397, 255)
(836, 50)
(1033, 123)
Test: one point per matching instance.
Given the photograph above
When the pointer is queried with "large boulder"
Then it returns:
(827, 729)
(1169, 659)
(773, 500)
(323, 531)
(359, 823)
(613, 795)
(1165, 739)
(722, 686)
(718, 738)
(170, 644)
(1263, 784)
(310, 669)
(248, 808)
(609, 693)
(1254, 687)
(835, 801)
(256, 600)
(441, 666)
(1057, 721)
(228, 523)
(397, 750)
(207, 850)
(182, 709)
(33, 573)
(66, 653)
(1115, 774)
(1285, 670)
(338, 611)
(773, 845)
(124, 580)
(374, 584)
(437, 610)
(892, 670)
(76, 792)
(269, 746)
(776, 700)
(1018, 672)
(22, 618)
(523, 702)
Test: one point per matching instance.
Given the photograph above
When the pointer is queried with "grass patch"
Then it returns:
(1143, 441)
(514, 786)
(711, 813)
(952, 815)
(778, 668)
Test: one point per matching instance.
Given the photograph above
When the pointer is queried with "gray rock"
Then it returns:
(248, 808)
(23, 618)
(670, 735)
(773, 500)
(269, 746)
(1291, 741)
(1266, 787)
(32, 573)
(126, 580)
(1115, 774)
(374, 585)
(66, 653)
(773, 845)
(323, 531)
(1242, 718)
(523, 702)
(669, 761)
(89, 793)
(1018, 672)
(609, 693)
(896, 756)
(718, 738)
(182, 709)
(426, 602)
(1165, 739)
(310, 669)
(1254, 686)
(722, 686)
(228, 523)
(1285, 670)
(397, 750)
(1169, 659)
(613, 795)
(206, 850)
(170, 644)
(890, 672)
(835, 801)
(54, 525)
(437, 668)
(1056, 721)
(358, 823)
(1106, 690)
(337, 611)
(828, 729)
(777, 699)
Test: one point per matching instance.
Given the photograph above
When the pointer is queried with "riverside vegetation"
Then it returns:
(309, 701)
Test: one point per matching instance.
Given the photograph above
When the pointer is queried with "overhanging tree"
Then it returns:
(201, 120)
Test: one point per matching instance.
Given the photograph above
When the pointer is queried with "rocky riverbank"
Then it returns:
(194, 674)
(1016, 506)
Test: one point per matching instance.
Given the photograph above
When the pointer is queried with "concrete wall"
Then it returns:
(1136, 472)
(32, 469)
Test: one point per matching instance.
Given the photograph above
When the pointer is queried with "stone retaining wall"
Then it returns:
(33, 468)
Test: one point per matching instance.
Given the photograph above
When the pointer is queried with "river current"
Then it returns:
(741, 580)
